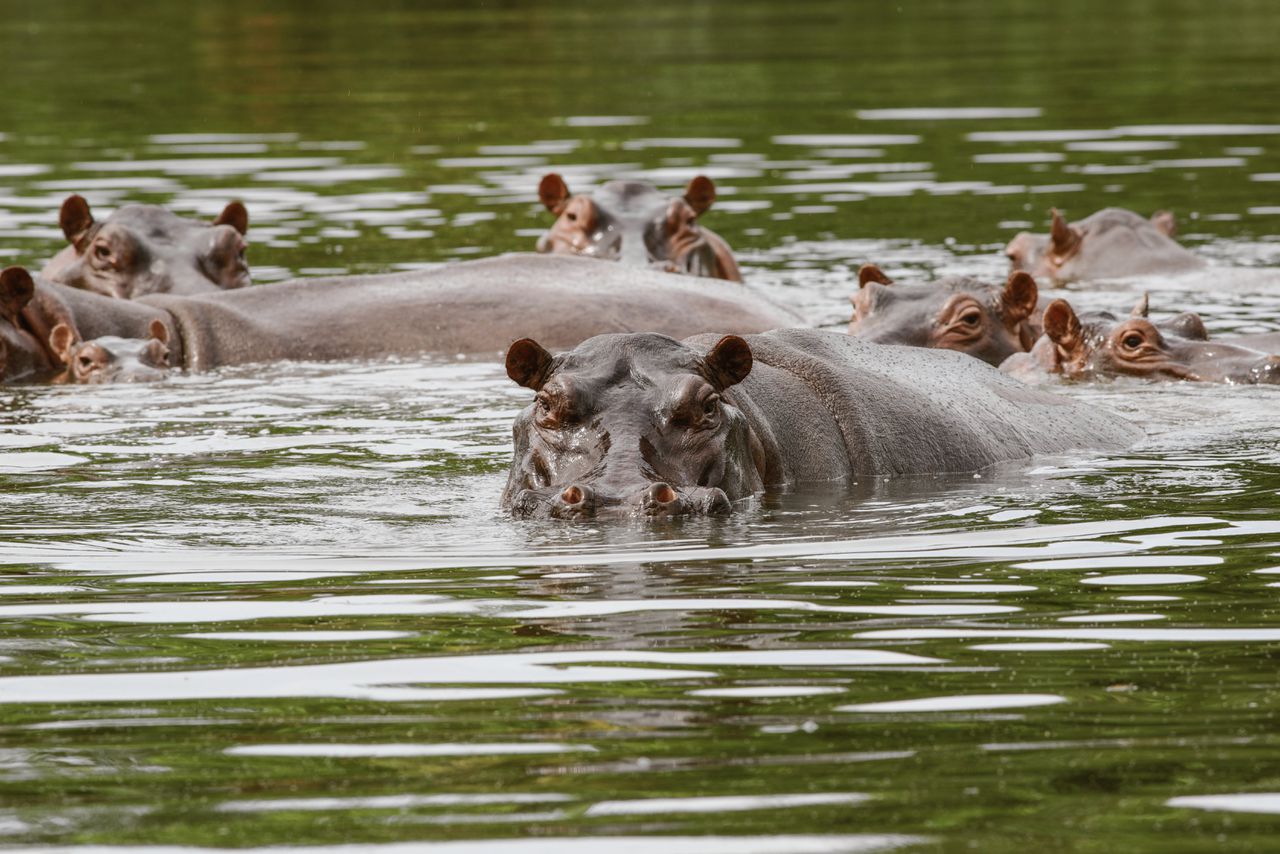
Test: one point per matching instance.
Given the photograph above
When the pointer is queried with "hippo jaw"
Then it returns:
(145, 249)
(630, 430)
(632, 222)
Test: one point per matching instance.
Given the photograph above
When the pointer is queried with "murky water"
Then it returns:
(278, 605)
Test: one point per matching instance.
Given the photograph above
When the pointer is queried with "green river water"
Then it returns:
(279, 606)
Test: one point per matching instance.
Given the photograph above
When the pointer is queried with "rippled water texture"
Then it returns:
(278, 605)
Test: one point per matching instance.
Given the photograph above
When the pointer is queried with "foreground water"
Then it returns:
(279, 606)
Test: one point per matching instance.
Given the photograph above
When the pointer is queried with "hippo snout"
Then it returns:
(654, 501)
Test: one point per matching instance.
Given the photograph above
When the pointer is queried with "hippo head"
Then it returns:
(22, 355)
(1108, 244)
(957, 313)
(634, 222)
(1101, 345)
(631, 425)
(110, 359)
(146, 249)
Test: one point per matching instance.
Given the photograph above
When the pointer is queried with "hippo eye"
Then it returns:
(102, 251)
(571, 216)
(711, 406)
(85, 361)
(1132, 341)
(971, 318)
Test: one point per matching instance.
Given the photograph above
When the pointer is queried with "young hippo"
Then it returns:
(111, 359)
(146, 249)
(986, 321)
(634, 222)
(645, 425)
(43, 339)
(1109, 244)
(1100, 345)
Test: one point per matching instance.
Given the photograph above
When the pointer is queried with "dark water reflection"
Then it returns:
(279, 606)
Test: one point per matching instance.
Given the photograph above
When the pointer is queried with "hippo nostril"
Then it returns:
(662, 493)
(573, 495)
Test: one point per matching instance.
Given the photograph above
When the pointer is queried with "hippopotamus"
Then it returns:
(41, 340)
(961, 313)
(1109, 244)
(473, 308)
(147, 249)
(1100, 345)
(645, 425)
(637, 224)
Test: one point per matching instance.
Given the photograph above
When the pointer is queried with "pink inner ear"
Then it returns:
(553, 192)
(159, 331)
(61, 340)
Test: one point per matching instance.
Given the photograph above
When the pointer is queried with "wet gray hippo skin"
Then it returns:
(989, 322)
(473, 308)
(637, 224)
(1109, 244)
(1098, 345)
(645, 425)
(147, 249)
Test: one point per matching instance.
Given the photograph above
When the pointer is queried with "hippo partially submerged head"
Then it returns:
(1111, 243)
(630, 425)
(987, 321)
(147, 249)
(634, 222)
(111, 359)
(1100, 345)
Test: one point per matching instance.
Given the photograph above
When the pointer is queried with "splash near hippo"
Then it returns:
(645, 425)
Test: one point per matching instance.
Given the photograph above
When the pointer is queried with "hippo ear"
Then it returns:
(1063, 327)
(700, 194)
(158, 331)
(1064, 238)
(234, 215)
(76, 219)
(1166, 222)
(1141, 308)
(1019, 297)
(872, 273)
(528, 364)
(1187, 325)
(61, 339)
(553, 192)
(729, 362)
(16, 290)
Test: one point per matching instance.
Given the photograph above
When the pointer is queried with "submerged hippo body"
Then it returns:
(989, 322)
(1099, 345)
(147, 249)
(646, 425)
(471, 308)
(637, 224)
(1112, 243)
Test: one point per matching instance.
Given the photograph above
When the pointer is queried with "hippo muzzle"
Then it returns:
(653, 501)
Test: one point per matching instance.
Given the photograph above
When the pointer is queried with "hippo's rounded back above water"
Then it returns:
(637, 224)
(1112, 243)
(646, 425)
(1099, 345)
(473, 308)
(989, 322)
(147, 249)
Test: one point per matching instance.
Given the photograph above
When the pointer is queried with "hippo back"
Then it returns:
(830, 407)
(471, 307)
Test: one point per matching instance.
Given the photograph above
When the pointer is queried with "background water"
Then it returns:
(279, 606)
